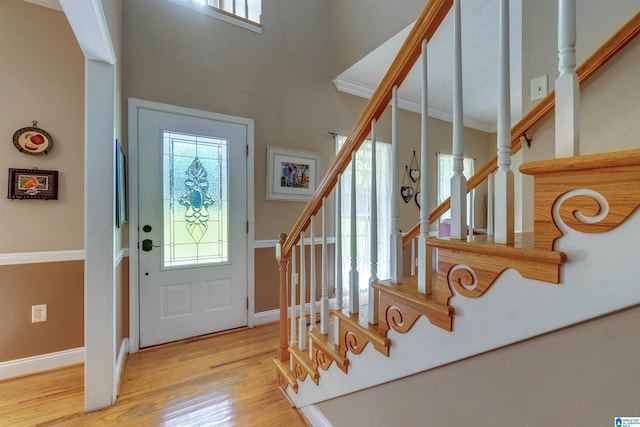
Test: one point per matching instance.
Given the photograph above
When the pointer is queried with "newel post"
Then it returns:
(283, 346)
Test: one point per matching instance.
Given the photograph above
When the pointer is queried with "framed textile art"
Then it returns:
(33, 184)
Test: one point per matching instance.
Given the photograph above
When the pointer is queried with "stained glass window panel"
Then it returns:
(195, 200)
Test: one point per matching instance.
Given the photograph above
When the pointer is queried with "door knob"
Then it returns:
(147, 245)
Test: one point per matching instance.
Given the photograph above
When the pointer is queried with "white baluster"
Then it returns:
(373, 294)
(294, 284)
(338, 246)
(458, 181)
(396, 236)
(424, 252)
(302, 329)
(504, 190)
(490, 199)
(324, 301)
(567, 85)
(413, 257)
(312, 278)
(354, 287)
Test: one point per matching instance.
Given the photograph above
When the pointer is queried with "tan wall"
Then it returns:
(43, 80)
(357, 28)
(60, 285)
(584, 375)
(608, 102)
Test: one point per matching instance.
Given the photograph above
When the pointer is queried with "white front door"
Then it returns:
(192, 226)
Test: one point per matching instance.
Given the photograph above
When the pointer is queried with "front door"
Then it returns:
(192, 226)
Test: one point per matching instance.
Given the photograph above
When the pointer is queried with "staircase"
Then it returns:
(482, 295)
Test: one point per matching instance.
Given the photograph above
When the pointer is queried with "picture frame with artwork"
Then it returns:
(33, 184)
(292, 174)
(121, 186)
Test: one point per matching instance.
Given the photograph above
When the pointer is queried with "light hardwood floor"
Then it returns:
(221, 380)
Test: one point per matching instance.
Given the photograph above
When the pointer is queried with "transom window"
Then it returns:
(243, 13)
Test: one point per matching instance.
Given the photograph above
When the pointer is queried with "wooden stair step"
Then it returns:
(355, 332)
(401, 305)
(302, 365)
(284, 375)
(325, 352)
(470, 266)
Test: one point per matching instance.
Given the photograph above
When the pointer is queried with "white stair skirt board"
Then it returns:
(41, 363)
(513, 309)
(122, 357)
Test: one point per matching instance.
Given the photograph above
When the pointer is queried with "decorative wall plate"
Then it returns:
(33, 140)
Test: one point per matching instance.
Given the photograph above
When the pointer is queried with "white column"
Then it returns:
(504, 190)
(373, 294)
(312, 278)
(396, 236)
(424, 253)
(324, 301)
(354, 288)
(458, 181)
(293, 305)
(567, 85)
(302, 326)
(490, 199)
(338, 247)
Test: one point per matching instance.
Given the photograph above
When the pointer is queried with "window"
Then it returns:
(243, 13)
(363, 214)
(445, 171)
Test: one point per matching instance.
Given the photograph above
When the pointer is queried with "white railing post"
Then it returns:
(294, 283)
(504, 190)
(458, 181)
(373, 295)
(312, 277)
(324, 300)
(302, 325)
(396, 236)
(424, 252)
(338, 245)
(354, 287)
(490, 200)
(567, 85)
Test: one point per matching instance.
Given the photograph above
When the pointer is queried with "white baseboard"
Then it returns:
(315, 417)
(122, 357)
(43, 362)
(267, 317)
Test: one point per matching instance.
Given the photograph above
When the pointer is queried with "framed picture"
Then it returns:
(292, 174)
(33, 184)
(121, 187)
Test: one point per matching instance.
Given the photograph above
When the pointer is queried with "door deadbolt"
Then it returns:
(146, 228)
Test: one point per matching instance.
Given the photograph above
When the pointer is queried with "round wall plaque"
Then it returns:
(33, 140)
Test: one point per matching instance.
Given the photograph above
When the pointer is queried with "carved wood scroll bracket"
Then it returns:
(324, 354)
(354, 337)
(285, 377)
(589, 194)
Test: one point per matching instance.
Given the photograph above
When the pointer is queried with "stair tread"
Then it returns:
(408, 290)
(328, 347)
(285, 376)
(523, 246)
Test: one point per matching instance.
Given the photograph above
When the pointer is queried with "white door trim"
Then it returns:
(134, 286)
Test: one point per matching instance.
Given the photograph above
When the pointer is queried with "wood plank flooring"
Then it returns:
(222, 380)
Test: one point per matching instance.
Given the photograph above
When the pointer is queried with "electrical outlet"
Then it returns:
(39, 313)
(539, 88)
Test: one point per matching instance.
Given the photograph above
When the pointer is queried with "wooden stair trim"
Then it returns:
(354, 336)
(472, 266)
(523, 247)
(575, 191)
(284, 376)
(302, 365)
(324, 353)
(402, 305)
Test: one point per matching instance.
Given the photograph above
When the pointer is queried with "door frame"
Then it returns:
(132, 186)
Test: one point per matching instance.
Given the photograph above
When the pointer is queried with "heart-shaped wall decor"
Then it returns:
(407, 193)
(414, 174)
(417, 198)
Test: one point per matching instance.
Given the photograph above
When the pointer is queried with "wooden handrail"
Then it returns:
(608, 50)
(424, 28)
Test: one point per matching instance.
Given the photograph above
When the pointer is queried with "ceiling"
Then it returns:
(480, 67)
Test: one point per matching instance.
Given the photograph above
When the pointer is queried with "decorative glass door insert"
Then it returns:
(195, 200)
